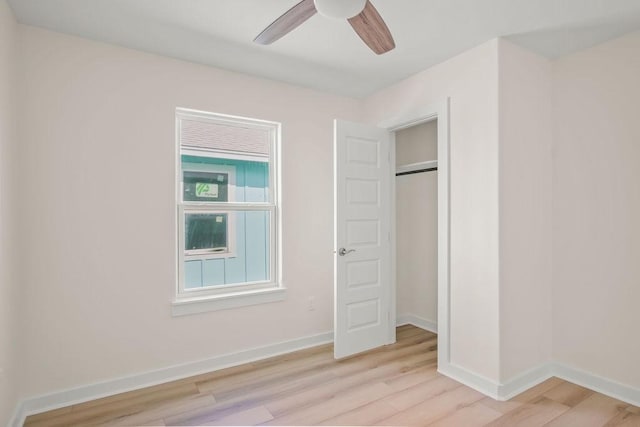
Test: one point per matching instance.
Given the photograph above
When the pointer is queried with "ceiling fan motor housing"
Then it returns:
(340, 9)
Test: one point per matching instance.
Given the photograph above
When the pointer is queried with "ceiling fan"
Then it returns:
(361, 14)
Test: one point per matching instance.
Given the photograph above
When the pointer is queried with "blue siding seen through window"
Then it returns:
(251, 260)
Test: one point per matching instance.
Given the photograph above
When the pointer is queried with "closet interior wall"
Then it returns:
(417, 225)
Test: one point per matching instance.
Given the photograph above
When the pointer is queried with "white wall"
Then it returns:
(97, 129)
(471, 81)
(596, 210)
(417, 225)
(525, 93)
(8, 286)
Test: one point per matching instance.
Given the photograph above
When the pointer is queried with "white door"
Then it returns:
(362, 219)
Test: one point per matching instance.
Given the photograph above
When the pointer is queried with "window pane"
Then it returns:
(249, 181)
(205, 187)
(205, 233)
(249, 260)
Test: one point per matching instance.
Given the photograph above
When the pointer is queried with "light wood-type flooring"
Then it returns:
(393, 385)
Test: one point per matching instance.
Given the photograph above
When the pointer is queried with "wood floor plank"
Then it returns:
(633, 409)
(624, 419)
(199, 415)
(366, 415)
(312, 364)
(434, 408)
(263, 367)
(596, 410)
(250, 417)
(47, 415)
(413, 377)
(503, 407)
(423, 391)
(252, 376)
(402, 391)
(278, 388)
(476, 415)
(256, 397)
(111, 410)
(342, 383)
(538, 390)
(154, 423)
(407, 331)
(568, 394)
(336, 405)
(351, 366)
(318, 394)
(526, 397)
(538, 412)
(171, 408)
(165, 389)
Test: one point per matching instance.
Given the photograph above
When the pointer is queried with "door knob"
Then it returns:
(343, 251)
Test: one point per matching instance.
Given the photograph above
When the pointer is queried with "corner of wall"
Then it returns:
(595, 209)
(525, 164)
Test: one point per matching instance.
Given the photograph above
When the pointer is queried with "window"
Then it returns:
(227, 212)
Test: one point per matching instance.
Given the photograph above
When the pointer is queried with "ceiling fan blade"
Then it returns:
(372, 30)
(289, 21)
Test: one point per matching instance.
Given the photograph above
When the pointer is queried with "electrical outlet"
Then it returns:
(311, 306)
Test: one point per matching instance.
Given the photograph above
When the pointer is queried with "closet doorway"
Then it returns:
(416, 195)
(420, 222)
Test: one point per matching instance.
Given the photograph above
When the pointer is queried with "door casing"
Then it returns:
(440, 112)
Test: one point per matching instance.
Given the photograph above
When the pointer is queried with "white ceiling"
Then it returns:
(326, 54)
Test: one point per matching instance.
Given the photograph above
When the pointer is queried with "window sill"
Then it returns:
(186, 306)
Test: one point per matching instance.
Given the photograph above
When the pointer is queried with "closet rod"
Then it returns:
(429, 165)
(416, 171)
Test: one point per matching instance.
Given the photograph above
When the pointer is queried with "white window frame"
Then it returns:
(219, 297)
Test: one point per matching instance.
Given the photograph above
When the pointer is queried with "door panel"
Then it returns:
(363, 273)
(362, 225)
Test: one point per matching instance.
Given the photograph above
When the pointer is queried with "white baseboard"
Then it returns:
(531, 378)
(535, 376)
(488, 387)
(611, 388)
(17, 420)
(89, 392)
(573, 375)
(470, 379)
(525, 381)
(411, 319)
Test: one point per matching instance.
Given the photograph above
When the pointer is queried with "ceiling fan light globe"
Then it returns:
(340, 9)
